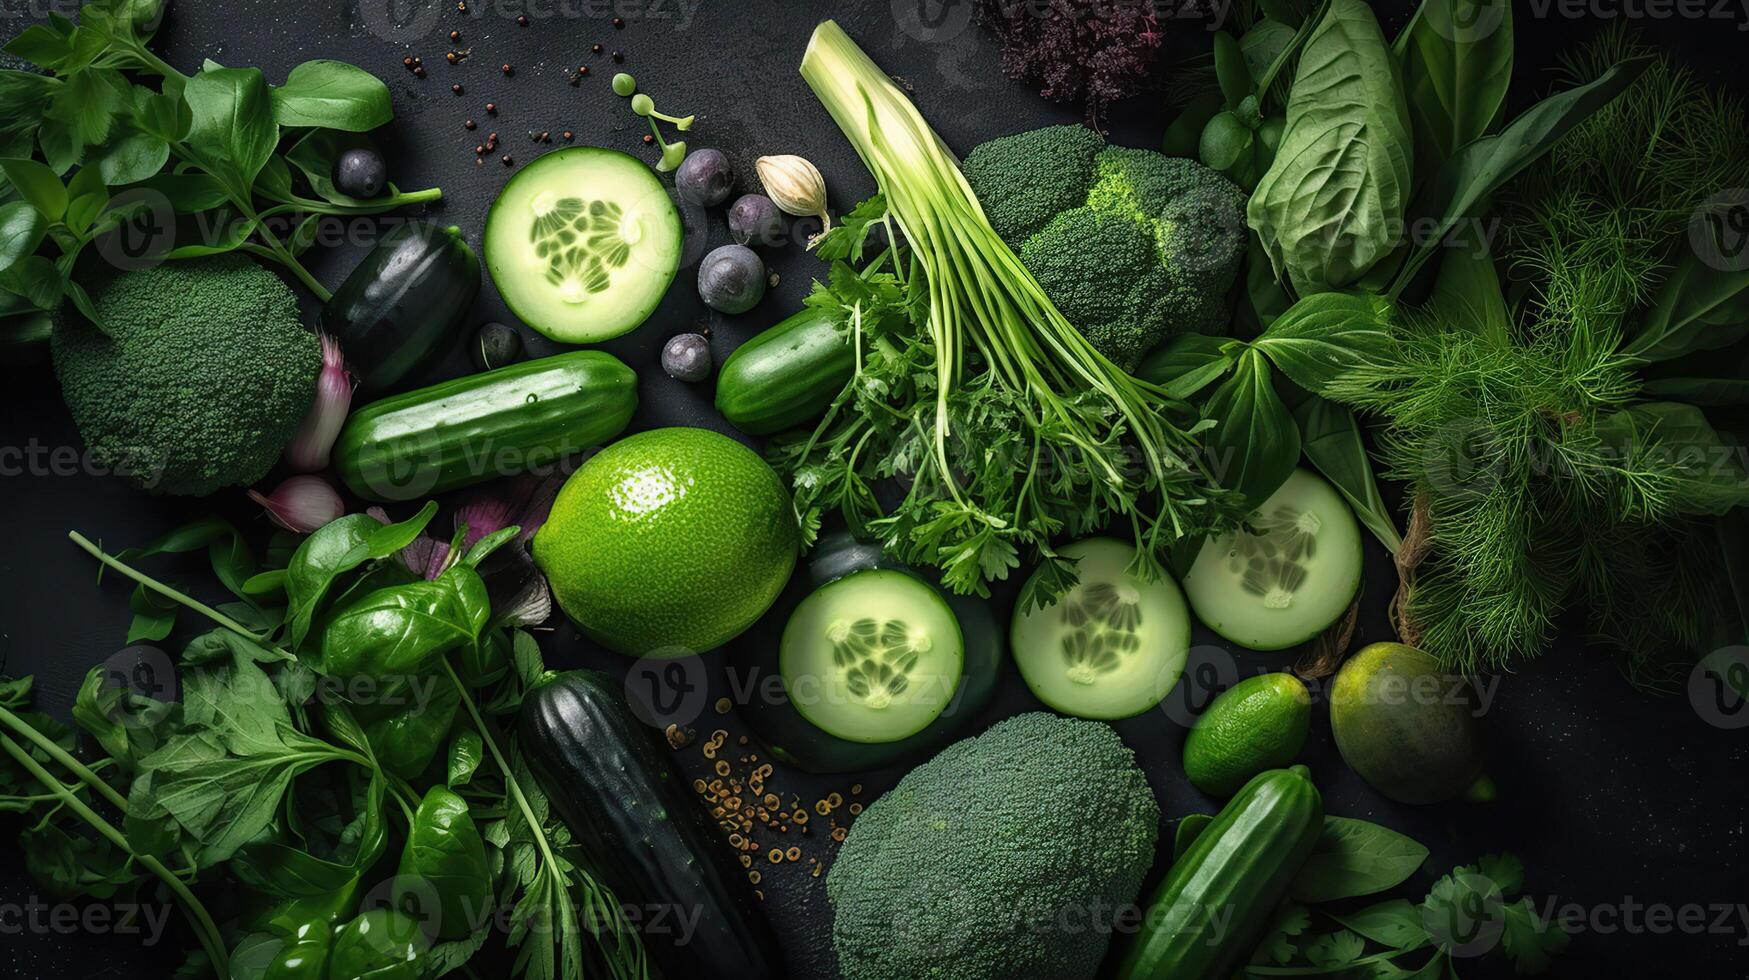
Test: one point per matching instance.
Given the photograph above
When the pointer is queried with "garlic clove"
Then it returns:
(794, 184)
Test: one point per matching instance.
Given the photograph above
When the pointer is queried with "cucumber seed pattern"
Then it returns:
(1271, 563)
(876, 657)
(1102, 620)
(581, 242)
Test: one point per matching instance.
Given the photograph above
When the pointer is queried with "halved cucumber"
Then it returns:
(582, 243)
(1289, 581)
(872, 657)
(1111, 647)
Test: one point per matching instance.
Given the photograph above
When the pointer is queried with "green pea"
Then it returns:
(624, 84)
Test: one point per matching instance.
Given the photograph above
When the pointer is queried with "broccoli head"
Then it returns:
(202, 378)
(1004, 856)
(1132, 246)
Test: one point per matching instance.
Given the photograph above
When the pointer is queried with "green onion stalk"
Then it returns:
(985, 306)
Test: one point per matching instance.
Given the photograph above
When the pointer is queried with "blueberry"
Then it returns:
(496, 345)
(705, 178)
(731, 279)
(687, 357)
(755, 220)
(360, 172)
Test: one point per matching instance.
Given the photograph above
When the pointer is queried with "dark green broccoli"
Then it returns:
(1004, 856)
(204, 375)
(1132, 246)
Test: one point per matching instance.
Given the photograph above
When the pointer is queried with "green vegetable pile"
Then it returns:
(202, 379)
(342, 702)
(961, 870)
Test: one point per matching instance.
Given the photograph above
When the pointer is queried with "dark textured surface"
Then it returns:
(1614, 800)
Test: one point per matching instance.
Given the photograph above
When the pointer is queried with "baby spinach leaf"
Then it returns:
(1255, 444)
(1324, 335)
(231, 129)
(1457, 66)
(380, 944)
(333, 550)
(39, 186)
(332, 94)
(1354, 857)
(1332, 203)
(405, 727)
(400, 630)
(445, 852)
(22, 228)
(466, 751)
(1459, 189)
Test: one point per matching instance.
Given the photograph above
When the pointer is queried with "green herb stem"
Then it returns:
(164, 590)
(206, 930)
(65, 758)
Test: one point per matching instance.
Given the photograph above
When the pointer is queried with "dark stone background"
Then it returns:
(1614, 799)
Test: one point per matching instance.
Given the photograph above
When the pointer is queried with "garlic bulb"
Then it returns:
(795, 185)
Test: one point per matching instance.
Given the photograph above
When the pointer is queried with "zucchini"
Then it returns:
(647, 837)
(403, 306)
(786, 375)
(1238, 866)
(789, 736)
(479, 427)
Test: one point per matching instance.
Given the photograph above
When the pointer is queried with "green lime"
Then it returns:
(669, 542)
(1257, 724)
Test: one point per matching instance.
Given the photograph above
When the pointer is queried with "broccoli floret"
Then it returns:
(204, 375)
(1004, 856)
(1057, 196)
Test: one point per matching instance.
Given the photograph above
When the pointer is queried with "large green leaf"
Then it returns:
(1700, 307)
(1255, 443)
(1187, 363)
(232, 130)
(1332, 203)
(1457, 66)
(334, 95)
(1325, 335)
(1330, 438)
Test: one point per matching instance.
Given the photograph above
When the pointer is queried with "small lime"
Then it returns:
(1259, 723)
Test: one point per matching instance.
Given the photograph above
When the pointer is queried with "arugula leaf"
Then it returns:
(1355, 857)
(334, 95)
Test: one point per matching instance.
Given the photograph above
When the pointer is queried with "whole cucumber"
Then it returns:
(1219, 897)
(510, 420)
(405, 304)
(786, 375)
(645, 833)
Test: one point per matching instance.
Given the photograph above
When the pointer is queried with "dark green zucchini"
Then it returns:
(405, 303)
(644, 832)
(482, 426)
(786, 375)
(1221, 894)
(795, 740)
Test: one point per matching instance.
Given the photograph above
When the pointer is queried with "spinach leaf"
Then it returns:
(1394, 923)
(445, 852)
(1457, 66)
(39, 186)
(1255, 444)
(333, 550)
(22, 228)
(1353, 858)
(1460, 188)
(466, 752)
(1324, 335)
(231, 131)
(1330, 438)
(1700, 307)
(380, 944)
(401, 629)
(334, 95)
(275, 867)
(405, 725)
(1187, 363)
(1332, 203)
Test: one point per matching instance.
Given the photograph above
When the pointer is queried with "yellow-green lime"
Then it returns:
(669, 542)
(1257, 724)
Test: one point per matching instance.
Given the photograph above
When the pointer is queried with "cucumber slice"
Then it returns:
(1287, 583)
(872, 657)
(1111, 647)
(582, 243)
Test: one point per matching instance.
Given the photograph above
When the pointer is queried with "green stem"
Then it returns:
(206, 930)
(164, 590)
(65, 758)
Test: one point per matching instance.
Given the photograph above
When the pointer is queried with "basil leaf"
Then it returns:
(36, 279)
(231, 130)
(444, 853)
(334, 95)
(1457, 65)
(1467, 293)
(132, 158)
(1231, 70)
(330, 551)
(38, 185)
(1459, 189)
(21, 230)
(407, 720)
(1324, 335)
(466, 752)
(400, 630)
(1255, 444)
(1187, 363)
(381, 944)
(1354, 857)
(1331, 205)
(1330, 438)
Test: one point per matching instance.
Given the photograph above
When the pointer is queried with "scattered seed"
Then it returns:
(855, 808)
(480, 150)
(456, 88)
(595, 48)
(839, 833)
(521, 20)
(504, 68)
(492, 108)
(583, 70)
(568, 135)
(407, 62)
(775, 857)
(649, 139)
(822, 808)
(754, 877)
(418, 71)
(469, 124)
(618, 57)
(455, 35)
(619, 22)
(506, 159)
(723, 706)
(793, 854)
(451, 57)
